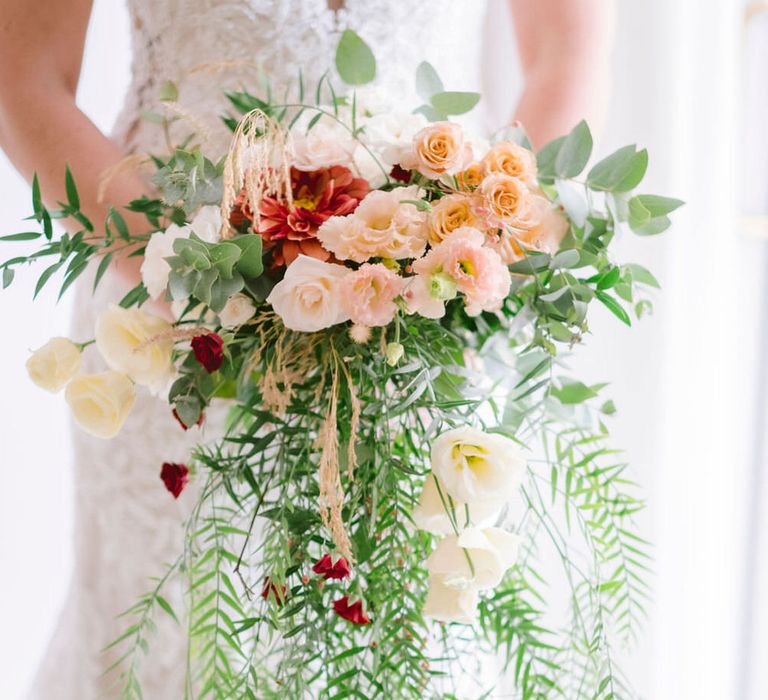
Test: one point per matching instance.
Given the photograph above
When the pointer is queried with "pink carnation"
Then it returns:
(368, 294)
(461, 260)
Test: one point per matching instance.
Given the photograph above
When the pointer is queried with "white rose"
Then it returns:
(137, 344)
(327, 143)
(238, 309)
(430, 514)
(54, 364)
(100, 403)
(390, 135)
(307, 298)
(207, 224)
(447, 604)
(155, 268)
(473, 465)
(492, 551)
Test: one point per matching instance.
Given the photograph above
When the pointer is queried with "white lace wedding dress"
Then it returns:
(127, 525)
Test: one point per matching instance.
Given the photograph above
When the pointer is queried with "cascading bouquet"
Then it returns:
(385, 303)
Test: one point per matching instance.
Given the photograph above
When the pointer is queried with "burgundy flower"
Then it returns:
(329, 570)
(271, 591)
(317, 196)
(209, 351)
(183, 424)
(354, 613)
(400, 174)
(175, 477)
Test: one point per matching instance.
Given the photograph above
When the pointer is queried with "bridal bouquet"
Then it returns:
(385, 302)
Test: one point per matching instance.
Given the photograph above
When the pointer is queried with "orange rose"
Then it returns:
(470, 178)
(450, 213)
(508, 158)
(439, 149)
(506, 201)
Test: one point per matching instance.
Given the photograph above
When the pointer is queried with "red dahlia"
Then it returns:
(354, 612)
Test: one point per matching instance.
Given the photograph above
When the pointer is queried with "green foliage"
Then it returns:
(355, 62)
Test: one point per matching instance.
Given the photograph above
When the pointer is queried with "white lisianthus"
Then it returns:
(307, 299)
(491, 550)
(447, 604)
(137, 344)
(100, 403)
(473, 465)
(207, 224)
(238, 309)
(327, 143)
(155, 269)
(430, 514)
(54, 364)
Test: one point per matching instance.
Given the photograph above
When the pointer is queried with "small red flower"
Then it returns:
(400, 174)
(270, 591)
(183, 424)
(209, 351)
(327, 569)
(354, 613)
(175, 477)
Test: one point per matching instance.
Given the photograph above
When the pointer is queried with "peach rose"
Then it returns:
(470, 179)
(450, 213)
(368, 294)
(506, 201)
(509, 158)
(439, 149)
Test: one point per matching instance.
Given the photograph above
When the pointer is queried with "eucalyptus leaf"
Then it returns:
(250, 264)
(546, 157)
(619, 172)
(355, 61)
(573, 200)
(453, 103)
(427, 81)
(574, 152)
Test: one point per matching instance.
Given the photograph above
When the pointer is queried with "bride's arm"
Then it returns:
(564, 48)
(41, 128)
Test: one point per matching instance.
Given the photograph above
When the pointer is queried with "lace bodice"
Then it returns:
(208, 46)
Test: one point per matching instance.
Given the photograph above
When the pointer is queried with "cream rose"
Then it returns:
(473, 465)
(155, 269)
(327, 143)
(390, 135)
(447, 604)
(136, 343)
(450, 213)
(54, 364)
(507, 201)
(207, 224)
(238, 309)
(307, 298)
(491, 552)
(431, 515)
(439, 149)
(100, 403)
(509, 158)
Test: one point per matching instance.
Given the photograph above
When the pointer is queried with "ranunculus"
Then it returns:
(307, 299)
(492, 551)
(136, 343)
(155, 269)
(54, 364)
(384, 225)
(450, 213)
(439, 149)
(329, 569)
(175, 477)
(431, 514)
(317, 196)
(511, 159)
(209, 351)
(368, 294)
(270, 591)
(474, 466)
(506, 201)
(238, 309)
(461, 262)
(100, 403)
(352, 612)
(447, 604)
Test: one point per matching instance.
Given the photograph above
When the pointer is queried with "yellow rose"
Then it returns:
(100, 403)
(54, 364)
(510, 159)
(506, 201)
(137, 344)
(450, 213)
(439, 149)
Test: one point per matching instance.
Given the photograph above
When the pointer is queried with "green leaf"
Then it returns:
(8, 275)
(454, 102)
(642, 275)
(546, 157)
(72, 197)
(573, 392)
(565, 259)
(427, 81)
(574, 152)
(103, 265)
(532, 264)
(614, 307)
(37, 201)
(136, 297)
(25, 236)
(355, 61)
(430, 113)
(122, 228)
(47, 273)
(619, 172)
(224, 257)
(250, 264)
(169, 92)
(656, 205)
(643, 217)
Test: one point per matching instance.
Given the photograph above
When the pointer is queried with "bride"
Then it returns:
(126, 525)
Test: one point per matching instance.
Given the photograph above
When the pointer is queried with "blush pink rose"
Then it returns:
(368, 294)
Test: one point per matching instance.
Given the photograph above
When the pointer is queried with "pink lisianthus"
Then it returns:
(461, 263)
(368, 294)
